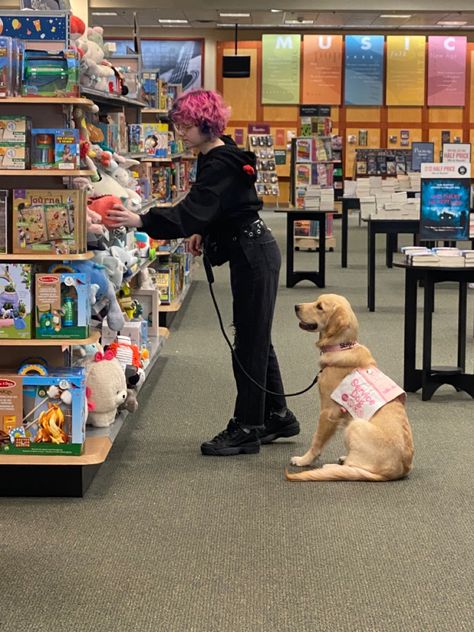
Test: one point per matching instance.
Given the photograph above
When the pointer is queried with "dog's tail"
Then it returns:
(334, 472)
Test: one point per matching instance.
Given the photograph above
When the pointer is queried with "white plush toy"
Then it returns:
(108, 388)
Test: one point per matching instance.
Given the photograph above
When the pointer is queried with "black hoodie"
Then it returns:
(223, 198)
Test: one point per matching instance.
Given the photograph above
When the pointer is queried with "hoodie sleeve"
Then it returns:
(199, 208)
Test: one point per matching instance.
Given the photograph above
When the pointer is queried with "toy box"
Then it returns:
(3, 221)
(50, 73)
(14, 156)
(48, 221)
(15, 301)
(55, 149)
(62, 307)
(43, 414)
(15, 129)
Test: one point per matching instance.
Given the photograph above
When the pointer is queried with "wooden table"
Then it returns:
(318, 277)
(429, 378)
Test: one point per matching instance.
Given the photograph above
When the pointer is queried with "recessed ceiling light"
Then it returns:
(395, 16)
(234, 15)
(166, 21)
(299, 21)
(451, 23)
(104, 13)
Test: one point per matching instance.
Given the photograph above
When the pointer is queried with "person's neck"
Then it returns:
(210, 144)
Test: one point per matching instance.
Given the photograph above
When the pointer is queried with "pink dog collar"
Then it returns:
(342, 346)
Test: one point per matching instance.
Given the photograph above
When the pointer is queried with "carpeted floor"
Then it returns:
(168, 540)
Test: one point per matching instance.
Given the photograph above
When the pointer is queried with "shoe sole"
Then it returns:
(289, 431)
(240, 449)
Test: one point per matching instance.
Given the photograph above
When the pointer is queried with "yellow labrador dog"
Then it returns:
(377, 450)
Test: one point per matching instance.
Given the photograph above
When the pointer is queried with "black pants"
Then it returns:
(254, 269)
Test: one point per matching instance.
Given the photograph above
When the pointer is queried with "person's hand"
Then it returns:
(119, 216)
(195, 245)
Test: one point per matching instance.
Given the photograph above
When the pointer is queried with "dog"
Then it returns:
(380, 449)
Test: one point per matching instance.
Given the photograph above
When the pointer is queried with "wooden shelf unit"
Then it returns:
(87, 103)
(45, 257)
(60, 342)
(65, 173)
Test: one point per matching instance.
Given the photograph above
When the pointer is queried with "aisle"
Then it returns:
(168, 540)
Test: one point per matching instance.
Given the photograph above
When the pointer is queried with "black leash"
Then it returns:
(210, 280)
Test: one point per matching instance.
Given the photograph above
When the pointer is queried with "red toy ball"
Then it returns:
(103, 205)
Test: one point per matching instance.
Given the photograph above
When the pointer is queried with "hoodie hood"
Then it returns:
(235, 158)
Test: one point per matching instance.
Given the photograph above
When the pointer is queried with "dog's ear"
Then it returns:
(341, 324)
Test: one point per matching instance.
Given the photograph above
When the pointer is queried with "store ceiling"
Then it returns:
(191, 15)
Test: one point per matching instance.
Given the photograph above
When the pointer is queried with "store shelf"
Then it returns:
(176, 305)
(180, 197)
(46, 257)
(167, 159)
(87, 103)
(96, 450)
(165, 253)
(65, 173)
(106, 98)
(155, 111)
(60, 342)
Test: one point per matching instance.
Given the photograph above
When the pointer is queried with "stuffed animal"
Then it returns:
(102, 206)
(127, 258)
(108, 388)
(131, 403)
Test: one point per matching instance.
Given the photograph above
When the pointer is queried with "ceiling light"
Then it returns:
(166, 21)
(299, 21)
(276, 10)
(451, 23)
(234, 15)
(104, 13)
(395, 17)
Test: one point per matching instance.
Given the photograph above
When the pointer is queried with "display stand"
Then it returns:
(316, 180)
(267, 178)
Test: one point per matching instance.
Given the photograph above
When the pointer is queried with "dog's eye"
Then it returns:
(319, 307)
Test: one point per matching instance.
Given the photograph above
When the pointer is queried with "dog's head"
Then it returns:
(331, 315)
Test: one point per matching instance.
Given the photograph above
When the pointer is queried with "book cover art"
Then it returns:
(48, 221)
(3, 221)
(303, 174)
(445, 208)
(304, 150)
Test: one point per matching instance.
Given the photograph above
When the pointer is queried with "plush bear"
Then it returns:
(108, 388)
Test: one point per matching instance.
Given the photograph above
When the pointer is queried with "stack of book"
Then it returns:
(312, 198)
(449, 257)
(419, 256)
(362, 187)
(368, 206)
(415, 181)
(327, 200)
(468, 258)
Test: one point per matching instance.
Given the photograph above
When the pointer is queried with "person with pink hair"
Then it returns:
(221, 214)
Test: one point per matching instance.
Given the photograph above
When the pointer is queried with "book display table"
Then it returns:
(391, 228)
(429, 378)
(318, 277)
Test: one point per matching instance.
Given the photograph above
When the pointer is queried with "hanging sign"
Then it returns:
(363, 70)
(405, 70)
(322, 69)
(281, 69)
(446, 70)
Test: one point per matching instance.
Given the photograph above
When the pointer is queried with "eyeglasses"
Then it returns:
(181, 127)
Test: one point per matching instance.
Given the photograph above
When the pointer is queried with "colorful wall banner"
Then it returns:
(363, 84)
(405, 70)
(281, 69)
(446, 70)
(322, 69)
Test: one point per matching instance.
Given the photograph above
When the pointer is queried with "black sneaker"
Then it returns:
(233, 440)
(276, 427)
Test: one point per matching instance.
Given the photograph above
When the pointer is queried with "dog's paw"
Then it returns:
(300, 461)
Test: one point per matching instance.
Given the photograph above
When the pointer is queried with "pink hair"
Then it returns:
(204, 108)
